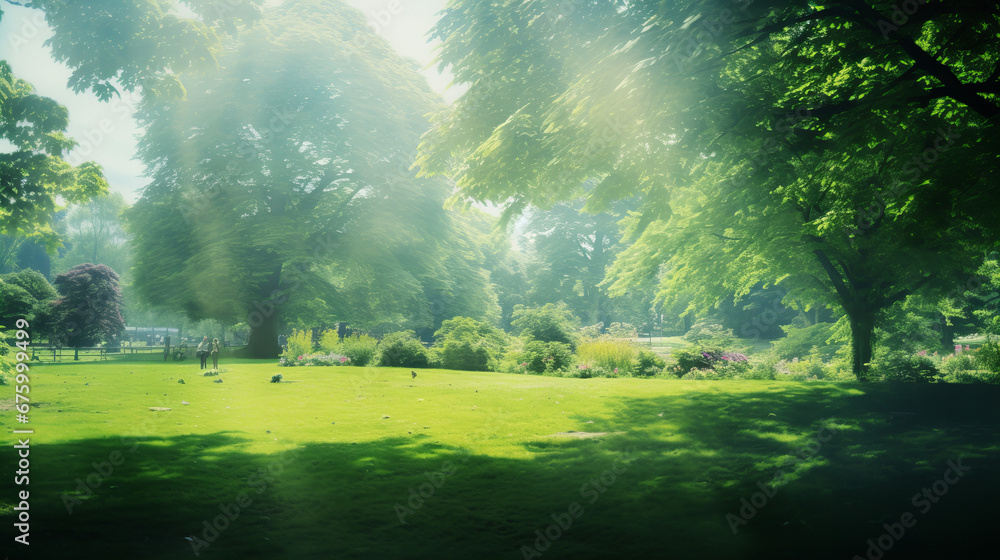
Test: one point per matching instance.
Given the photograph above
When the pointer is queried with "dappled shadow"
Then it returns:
(691, 459)
(883, 445)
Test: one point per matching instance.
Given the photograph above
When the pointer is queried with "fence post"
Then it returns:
(76, 354)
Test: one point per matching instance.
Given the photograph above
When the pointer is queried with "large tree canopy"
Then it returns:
(34, 179)
(282, 181)
(112, 47)
(845, 150)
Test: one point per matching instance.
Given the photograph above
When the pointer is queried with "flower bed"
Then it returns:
(318, 359)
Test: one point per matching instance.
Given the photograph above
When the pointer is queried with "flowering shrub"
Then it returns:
(318, 359)
(707, 358)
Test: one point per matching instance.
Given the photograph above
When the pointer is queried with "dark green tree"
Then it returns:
(88, 310)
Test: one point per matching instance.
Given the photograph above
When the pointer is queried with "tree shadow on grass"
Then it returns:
(841, 486)
(661, 489)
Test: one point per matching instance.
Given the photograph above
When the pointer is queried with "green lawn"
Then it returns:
(324, 465)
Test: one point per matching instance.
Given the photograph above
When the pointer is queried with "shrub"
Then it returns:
(316, 359)
(591, 332)
(607, 354)
(539, 357)
(898, 365)
(799, 341)
(696, 357)
(467, 344)
(623, 330)
(649, 364)
(955, 363)
(549, 323)
(988, 355)
(299, 344)
(329, 340)
(710, 333)
(402, 349)
(360, 348)
(8, 365)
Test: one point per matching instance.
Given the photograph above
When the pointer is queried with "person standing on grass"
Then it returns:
(215, 353)
(203, 352)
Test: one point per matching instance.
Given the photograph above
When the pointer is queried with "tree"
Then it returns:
(470, 345)
(95, 233)
(112, 47)
(740, 131)
(548, 323)
(571, 250)
(34, 177)
(23, 295)
(88, 310)
(281, 184)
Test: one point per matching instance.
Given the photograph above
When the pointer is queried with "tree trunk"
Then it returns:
(947, 334)
(262, 316)
(862, 341)
(263, 341)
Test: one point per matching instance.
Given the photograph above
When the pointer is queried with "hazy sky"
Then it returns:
(106, 131)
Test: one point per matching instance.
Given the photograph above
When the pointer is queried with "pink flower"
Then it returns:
(343, 359)
(616, 370)
(300, 357)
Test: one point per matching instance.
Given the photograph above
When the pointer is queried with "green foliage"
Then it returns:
(467, 344)
(622, 330)
(952, 364)
(692, 357)
(988, 355)
(301, 205)
(15, 303)
(780, 185)
(402, 349)
(799, 342)
(299, 343)
(34, 179)
(88, 310)
(8, 365)
(360, 348)
(538, 357)
(898, 365)
(329, 339)
(609, 355)
(591, 332)
(709, 332)
(548, 323)
(95, 233)
(648, 364)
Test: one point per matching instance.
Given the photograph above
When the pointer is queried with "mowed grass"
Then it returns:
(325, 464)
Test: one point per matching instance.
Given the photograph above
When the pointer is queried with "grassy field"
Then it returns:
(372, 463)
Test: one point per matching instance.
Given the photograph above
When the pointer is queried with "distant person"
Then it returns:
(215, 353)
(202, 351)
